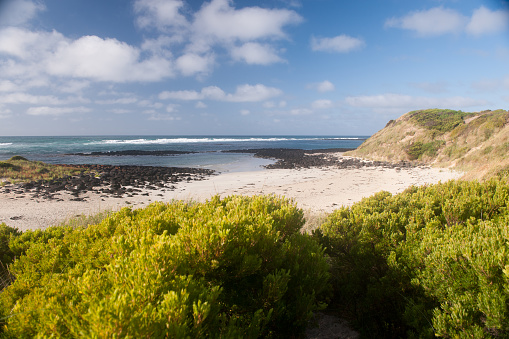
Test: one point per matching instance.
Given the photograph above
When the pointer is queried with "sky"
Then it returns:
(245, 67)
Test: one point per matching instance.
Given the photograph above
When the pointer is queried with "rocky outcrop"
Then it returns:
(110, 180)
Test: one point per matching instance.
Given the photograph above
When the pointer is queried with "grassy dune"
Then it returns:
(476, 143)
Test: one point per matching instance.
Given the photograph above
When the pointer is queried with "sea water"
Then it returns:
(60, 149)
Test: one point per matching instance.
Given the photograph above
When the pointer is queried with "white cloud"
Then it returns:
(324, 86)
(200, 104)
(435, 21)
(399, 102)
(25, 98)
(249, 93)
(172, 108)
(120, 101)
(119, 111)
(245, 112)
(191, 64)
(244, 93)
(74, 86)
(28, 45)
(341, 44)
(150, 104)
(485, 21)
(89, 57)
(45, 110)
(321, 104)
(7, 86)
(255, 53)
(161, 14)
(105, 60)
(18, 12)
(219, 20)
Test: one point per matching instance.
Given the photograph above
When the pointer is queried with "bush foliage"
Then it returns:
(230, 268)
(439, 120)
(432, 261)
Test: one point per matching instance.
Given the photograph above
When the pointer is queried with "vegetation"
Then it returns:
(440, 120)
(418, 149)
(476, 143)
(432, 261)
(233, 267)
(19, 169)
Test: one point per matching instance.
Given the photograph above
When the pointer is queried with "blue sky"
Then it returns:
(279, 67)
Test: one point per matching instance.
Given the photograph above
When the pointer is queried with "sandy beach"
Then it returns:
(316, 189)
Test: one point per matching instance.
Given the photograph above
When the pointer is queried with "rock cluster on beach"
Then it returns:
(299, 158)
(109, 181)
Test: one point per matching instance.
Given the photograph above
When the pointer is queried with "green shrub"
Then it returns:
(440, 120)
(417, 149)
(232, 267)
(18, 158)
(432, 261)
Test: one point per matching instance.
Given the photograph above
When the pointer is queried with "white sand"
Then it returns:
(315, 189)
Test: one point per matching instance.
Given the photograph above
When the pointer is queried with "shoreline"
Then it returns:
(319, 189)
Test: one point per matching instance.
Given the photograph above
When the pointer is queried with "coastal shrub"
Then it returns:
(439, 120)
(417, 149)
(232, 267)
(431, 261)
(18, 158)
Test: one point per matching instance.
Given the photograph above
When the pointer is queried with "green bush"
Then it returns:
(417, 149)
(432, 261)
(232, 267)
(439, 120)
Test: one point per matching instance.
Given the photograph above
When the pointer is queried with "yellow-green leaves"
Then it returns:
(229, 268)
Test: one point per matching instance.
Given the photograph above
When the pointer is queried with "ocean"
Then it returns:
(62, 150)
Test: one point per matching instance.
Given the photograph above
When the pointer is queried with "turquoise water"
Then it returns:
(57, 150)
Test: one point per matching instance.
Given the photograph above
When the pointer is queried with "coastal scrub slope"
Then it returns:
(476, 143)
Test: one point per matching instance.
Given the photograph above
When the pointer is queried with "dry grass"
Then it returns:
(313, 220)
(479, 146)
(86, 220)
(18, 169)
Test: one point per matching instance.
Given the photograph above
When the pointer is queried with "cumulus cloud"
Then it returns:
(244, 93)
(18, 12)
(256, 53)
(439, 20)
(485, 21)
(28, 45)
(435, 21)
(245, 112)
(46, 110)
(218, 24)
(89, 57)
(191, 64)
(219, 20)
(341, 44)
(392, 101)
(105, 60)
(160, 14)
